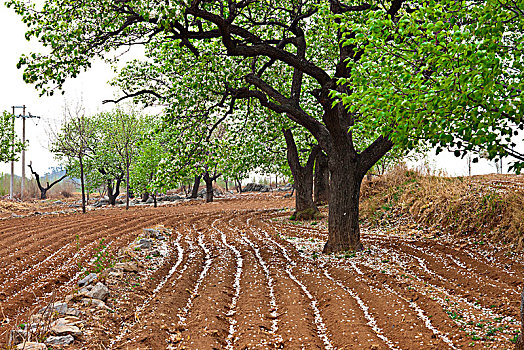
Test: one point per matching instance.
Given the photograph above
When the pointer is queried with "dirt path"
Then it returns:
(238, 275)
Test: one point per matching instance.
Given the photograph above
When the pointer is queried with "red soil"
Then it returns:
(241, 276)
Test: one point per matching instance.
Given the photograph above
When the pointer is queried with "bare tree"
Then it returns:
(43, 190)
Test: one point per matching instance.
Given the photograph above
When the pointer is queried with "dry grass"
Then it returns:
(490, 206)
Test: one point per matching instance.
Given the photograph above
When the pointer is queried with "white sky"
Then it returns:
(91, 87)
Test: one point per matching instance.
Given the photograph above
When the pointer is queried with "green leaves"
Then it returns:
(10, 145)
(437, 76)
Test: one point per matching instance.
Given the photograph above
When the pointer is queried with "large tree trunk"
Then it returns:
(209, 187)
(305, 208)
(344, 230)
(321, 179)
(112, 193)
(196, 185)
(347, 169)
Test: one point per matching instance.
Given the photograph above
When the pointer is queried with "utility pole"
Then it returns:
(24, 117)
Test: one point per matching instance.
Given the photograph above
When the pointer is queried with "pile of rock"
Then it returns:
(253, 187)
(285, 188)
(59, 321)
(216, 193)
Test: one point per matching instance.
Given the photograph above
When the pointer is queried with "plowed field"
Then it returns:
(239, 275)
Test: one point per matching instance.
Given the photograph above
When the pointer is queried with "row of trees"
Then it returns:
(358, 79)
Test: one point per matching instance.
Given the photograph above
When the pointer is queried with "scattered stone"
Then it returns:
(99, 291)
(59, 307)
(145, 243)
(60, 340)
(95, 302)
(253, 187)
(127, 266)
(155, 233)
(87, 279)
(113, 272)
(31, 346)
(172, 198)
(63, 326)
(71, 311)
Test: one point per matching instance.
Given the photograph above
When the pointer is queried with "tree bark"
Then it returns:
(347, 172)
(238, 184)
(305, 208)
(154, 200)
(209, 188)
(196, 185)
(208, 179)
(321, 179)
(127, 180)
(82, 185)
(145, 197)
(344, 230)
(112, 195)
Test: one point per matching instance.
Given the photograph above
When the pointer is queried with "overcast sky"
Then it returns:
(91, 87)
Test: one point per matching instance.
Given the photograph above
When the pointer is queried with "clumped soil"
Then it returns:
(240, 275)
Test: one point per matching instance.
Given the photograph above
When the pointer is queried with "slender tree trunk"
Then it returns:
(226, 184)
(154, 200)
(238, 184)
(305, 208)
(82, 185)
(196, 185)
(43, 193)
(321, 181)
(127, 182)
(145, 196)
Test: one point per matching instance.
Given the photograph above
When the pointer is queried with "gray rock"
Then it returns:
(145, 243)
(71, 311)
(59, 307)
(253, 187)
(60, 340)
(95, 302)
(99, 291)
(154, 233)
(64, 326)
(87, 279)
(150, 200)
(172, 198)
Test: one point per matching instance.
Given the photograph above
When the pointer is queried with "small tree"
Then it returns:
(74, 141)
(121, 132)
